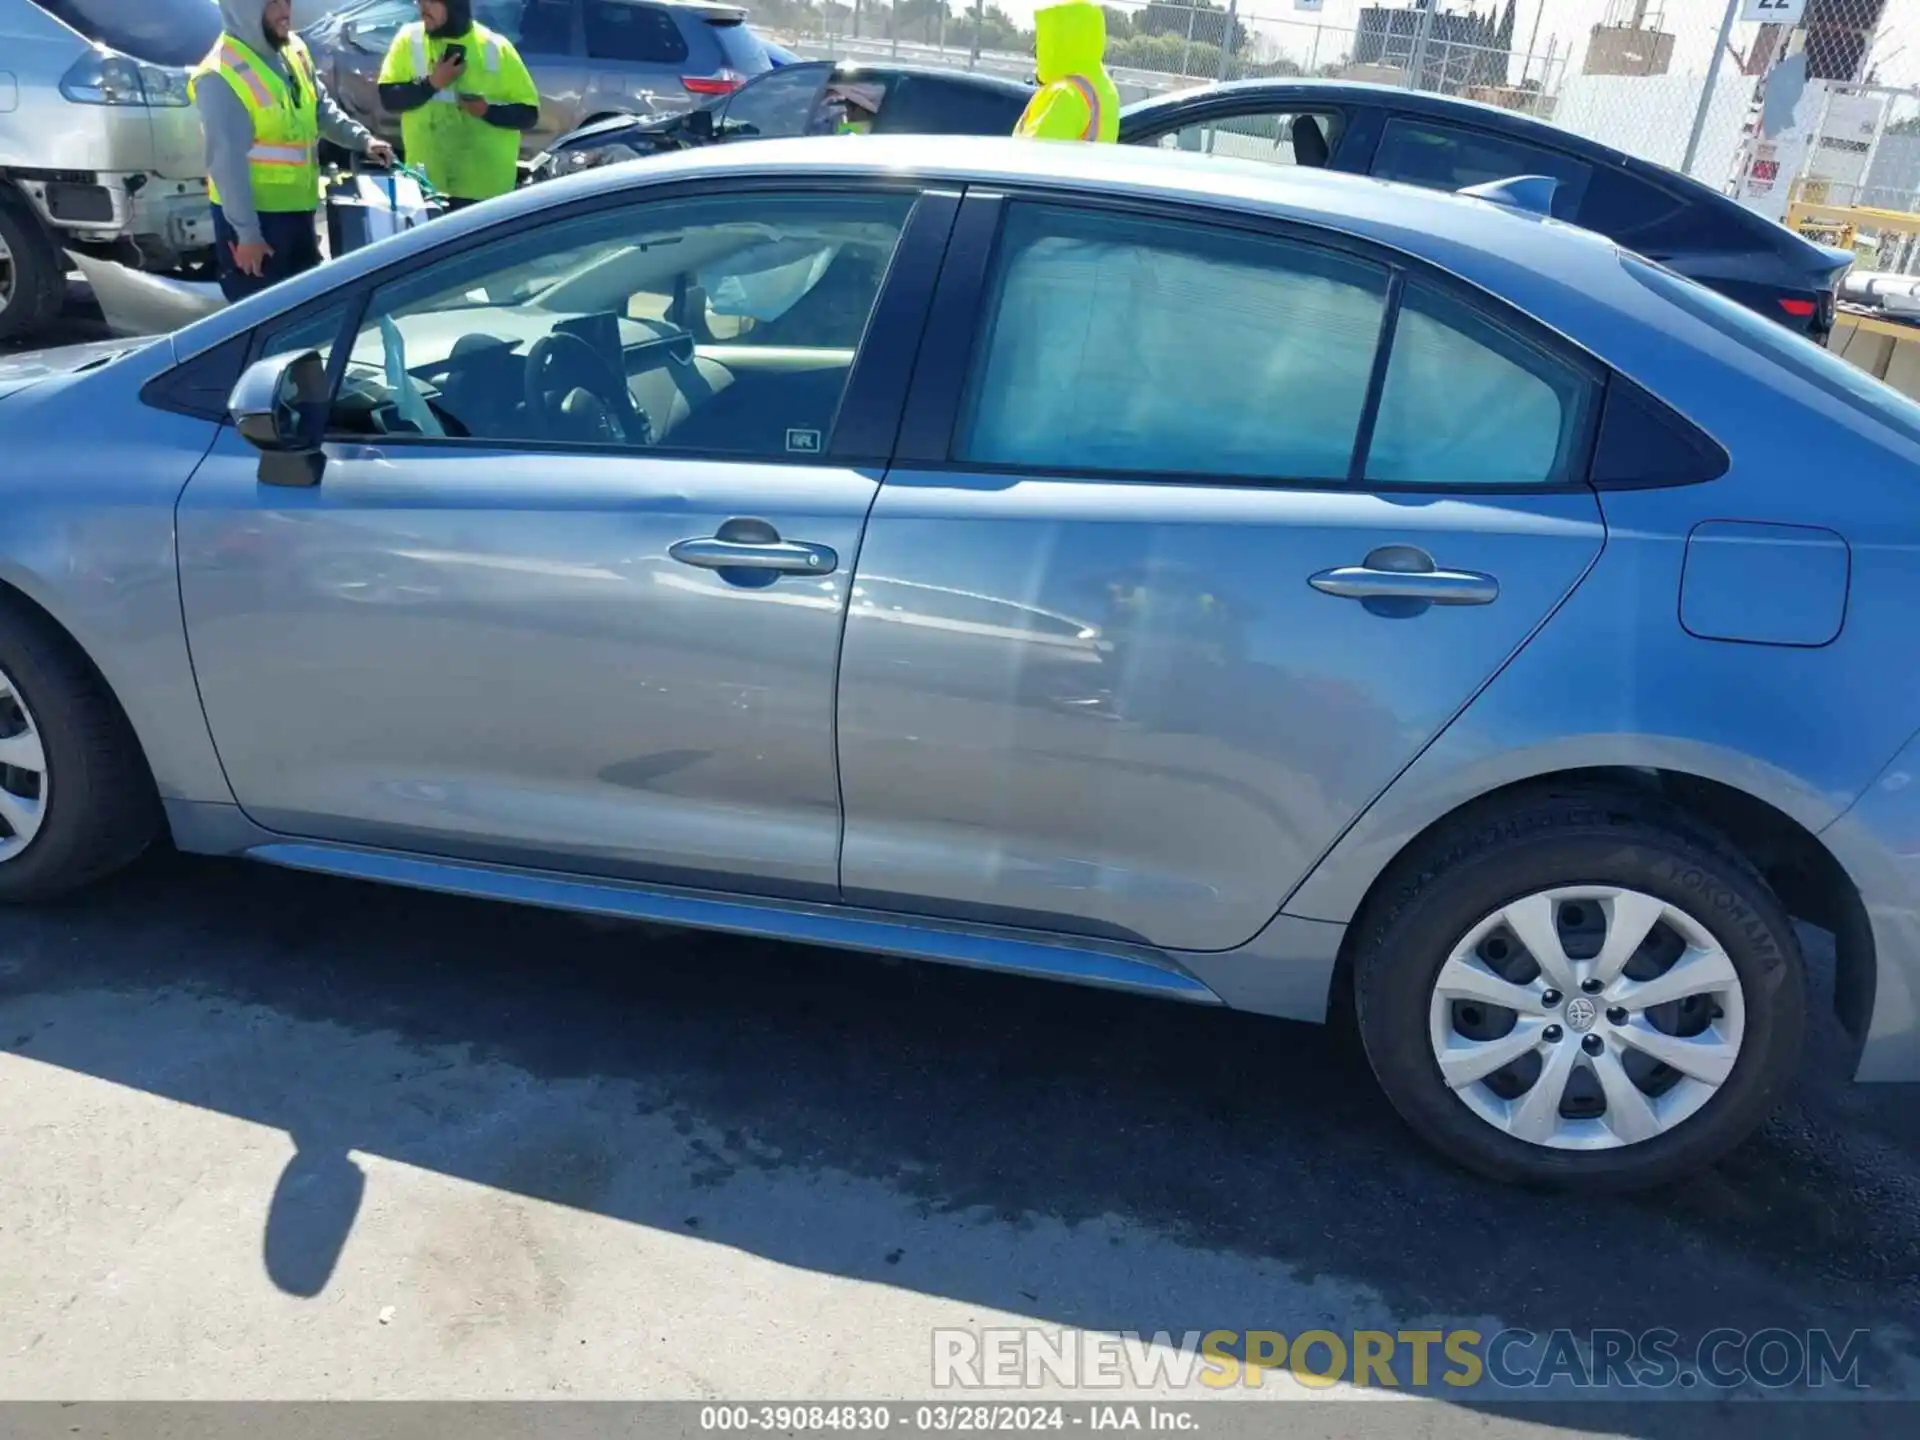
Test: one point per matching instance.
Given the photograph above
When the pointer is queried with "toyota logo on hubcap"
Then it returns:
(1581, 1013)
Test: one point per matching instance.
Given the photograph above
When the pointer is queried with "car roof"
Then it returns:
(1494, 118)
(1352, 92)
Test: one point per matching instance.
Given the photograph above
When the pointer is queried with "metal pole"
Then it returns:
(979, 18)
(1186, 52)
(1226, 39)
(893, 25)
(1417, 65)
(1533, 46)
(1706, 93)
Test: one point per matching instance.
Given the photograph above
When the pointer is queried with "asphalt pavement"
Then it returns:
(265, 1135)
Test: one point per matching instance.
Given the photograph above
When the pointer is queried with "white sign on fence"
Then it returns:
(1773, 12)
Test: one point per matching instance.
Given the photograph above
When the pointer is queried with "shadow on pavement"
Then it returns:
(1004, 1102)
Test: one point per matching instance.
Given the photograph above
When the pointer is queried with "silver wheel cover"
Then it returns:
(9, 274)
(1626, 1017)
(24, 784)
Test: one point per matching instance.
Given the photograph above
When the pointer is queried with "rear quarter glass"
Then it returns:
(740, 48)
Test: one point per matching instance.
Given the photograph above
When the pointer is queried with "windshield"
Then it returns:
(1811, 362)
(160, 32)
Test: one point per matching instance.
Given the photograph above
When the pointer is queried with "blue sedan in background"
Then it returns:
(1245, 586)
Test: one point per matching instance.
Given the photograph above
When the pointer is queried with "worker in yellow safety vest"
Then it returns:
(263, 113)
(464, 99)
(1076, 99)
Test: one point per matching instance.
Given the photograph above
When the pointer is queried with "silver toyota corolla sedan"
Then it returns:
(1250, 587)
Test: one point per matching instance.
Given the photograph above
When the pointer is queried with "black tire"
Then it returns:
(40, 278)
(1542, 841)
(102, 810)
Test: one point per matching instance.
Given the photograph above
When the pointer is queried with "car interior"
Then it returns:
(1303, 139)
(734, 337)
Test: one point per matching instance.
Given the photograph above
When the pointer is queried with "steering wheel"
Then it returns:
(573, 394)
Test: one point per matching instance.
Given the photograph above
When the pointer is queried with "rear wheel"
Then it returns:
(1581, 991)
(32, 277)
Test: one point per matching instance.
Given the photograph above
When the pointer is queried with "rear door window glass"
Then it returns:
(643, 34)
(1468, 402)
(1440, 156)
(1162, 348)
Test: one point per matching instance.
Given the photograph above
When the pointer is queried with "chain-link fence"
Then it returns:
(1159, 45)
(1774, 101)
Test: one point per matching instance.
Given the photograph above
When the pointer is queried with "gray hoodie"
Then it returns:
(229, 128)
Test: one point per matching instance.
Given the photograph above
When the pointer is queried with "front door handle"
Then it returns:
(1405, 572)
(755, 545)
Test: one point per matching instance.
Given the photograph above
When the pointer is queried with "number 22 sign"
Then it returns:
(1773, 12)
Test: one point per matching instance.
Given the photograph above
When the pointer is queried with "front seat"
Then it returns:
(1309, 142)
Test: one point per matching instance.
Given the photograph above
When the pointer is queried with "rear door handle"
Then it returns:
(790, 557)
(1435, 586)
(754, 545)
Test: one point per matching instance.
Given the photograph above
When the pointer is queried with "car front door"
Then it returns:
(569, 591)
(1196, 536)
(780, 102)
(547, 35)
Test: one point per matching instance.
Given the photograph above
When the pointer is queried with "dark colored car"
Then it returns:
(808, 97)
(1447, 144)
(1436, 141)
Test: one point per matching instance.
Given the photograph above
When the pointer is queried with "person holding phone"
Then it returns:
(464, 99)
(262, 113)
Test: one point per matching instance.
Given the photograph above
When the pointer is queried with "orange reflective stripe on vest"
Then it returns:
(238, 67)
(1092, 97)
(280, 154)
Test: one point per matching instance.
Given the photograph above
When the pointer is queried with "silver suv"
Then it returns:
(589, 58)
(100, 149)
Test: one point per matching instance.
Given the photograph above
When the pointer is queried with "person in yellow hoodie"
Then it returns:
(1076, 99)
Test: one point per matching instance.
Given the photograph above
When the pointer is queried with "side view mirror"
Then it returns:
(280, 408)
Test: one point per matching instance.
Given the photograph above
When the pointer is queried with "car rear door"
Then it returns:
(1200, 529)
(499, 628)
(636, 58)
(1441, 154)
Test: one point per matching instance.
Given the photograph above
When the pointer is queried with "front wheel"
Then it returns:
(1582, 992)
(32, 273)
(76, 800)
